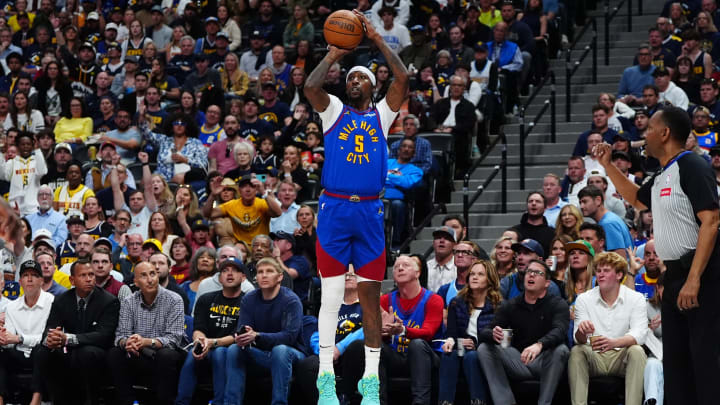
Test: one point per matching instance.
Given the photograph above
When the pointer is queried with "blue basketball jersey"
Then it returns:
(355, 154)
(413, 318)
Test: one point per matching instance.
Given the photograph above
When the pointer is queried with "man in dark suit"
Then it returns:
(79, 330)
(460, 124)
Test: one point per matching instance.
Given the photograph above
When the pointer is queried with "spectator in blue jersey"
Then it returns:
(411, 321)
(508, 58)
(423, 157)
(401, 177)
(646, 282)
(215, 322)
(617, 235)
(280, 67)
(349, 329)
(269, 335)
(635, 78)
(536, 351)
(296, 266)
(206, 44)
(526, 251)
(211, 131)
(468, 314)
(465, 254)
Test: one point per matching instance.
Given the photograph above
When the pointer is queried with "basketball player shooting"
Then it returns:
(350, 213)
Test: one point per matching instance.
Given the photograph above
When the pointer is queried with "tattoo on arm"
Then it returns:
(317, 76)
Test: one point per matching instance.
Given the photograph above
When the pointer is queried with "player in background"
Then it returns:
(350, 214)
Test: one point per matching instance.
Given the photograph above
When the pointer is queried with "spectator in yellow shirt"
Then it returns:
(77, 127)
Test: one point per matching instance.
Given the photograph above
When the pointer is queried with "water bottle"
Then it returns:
(460, 348)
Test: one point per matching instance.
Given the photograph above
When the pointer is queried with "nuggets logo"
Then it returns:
(360, 134)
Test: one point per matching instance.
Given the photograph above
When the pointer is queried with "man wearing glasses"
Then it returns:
(635, 78)
(525, 252)
(465, 254)
(526, 339)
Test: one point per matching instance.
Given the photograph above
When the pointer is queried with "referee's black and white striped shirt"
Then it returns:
(684, 187)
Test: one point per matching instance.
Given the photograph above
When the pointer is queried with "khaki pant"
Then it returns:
(585, 363)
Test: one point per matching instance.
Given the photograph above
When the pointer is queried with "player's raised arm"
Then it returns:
(401, 81)
(313, 89)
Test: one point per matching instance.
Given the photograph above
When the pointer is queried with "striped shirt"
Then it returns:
(685, 187)
(162, 320)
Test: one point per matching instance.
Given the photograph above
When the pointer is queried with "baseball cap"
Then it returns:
(268, 85)
(598, 172)
(103, 242)
(87, 45)
(247, 178)
(156, 9)
(417, 28)
(30, 265)
(580, 244)
(531, 245)
(642, 111)
(480, 47)
(620, 154)
(211, 19)
(252, 99)
(74, 219)
(41, 233)
(44, 241)
(715, 150)
(114, 45)
(445, 232)
(131, 59)
(660, 71)
(154, 243)
(283, 235)
(256, 35)
(199, 224)
(233, 261)
(111, 26)
(63, 145)
(222, 34)
(104, 144)
(93, 15)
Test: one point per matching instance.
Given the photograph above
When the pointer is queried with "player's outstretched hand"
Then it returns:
(369, 29)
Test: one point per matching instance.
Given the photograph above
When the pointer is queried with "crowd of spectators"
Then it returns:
(162, 159)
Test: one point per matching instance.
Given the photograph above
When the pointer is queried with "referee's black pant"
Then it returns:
(691, 353)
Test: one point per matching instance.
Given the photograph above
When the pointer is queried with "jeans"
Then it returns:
(398, 209)
(279, 361)
(654, 380)
(449, 369)
(188, 376)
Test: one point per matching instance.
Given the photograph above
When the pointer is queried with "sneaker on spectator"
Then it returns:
(326, 388)
(369, 388)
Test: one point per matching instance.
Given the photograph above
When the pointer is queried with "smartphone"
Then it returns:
(261, 177)
(197, 348)
(242, 329)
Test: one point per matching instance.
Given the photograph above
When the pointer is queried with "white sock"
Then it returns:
(333, 291)
(372, 360)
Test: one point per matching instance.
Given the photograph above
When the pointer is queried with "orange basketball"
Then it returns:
(343, 29)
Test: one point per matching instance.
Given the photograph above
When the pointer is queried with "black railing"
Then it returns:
(548, 103)
(572, 67)
(501, 168)
(608, 18)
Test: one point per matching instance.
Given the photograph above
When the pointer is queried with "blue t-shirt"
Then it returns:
(617, 235)
(253, 131)
(275, 115)
(301, 285)
(130, 134)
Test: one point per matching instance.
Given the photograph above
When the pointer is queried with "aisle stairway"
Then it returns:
(486, 220)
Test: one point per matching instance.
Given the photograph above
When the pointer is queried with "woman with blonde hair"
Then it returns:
(187, 211)
(161, 191)
(173, 47)
(264, 76)
(468, 313)
(503, 257)
(568, 222)
(134, 45)
(235, 82)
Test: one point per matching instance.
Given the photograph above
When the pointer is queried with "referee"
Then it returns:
(683, 199)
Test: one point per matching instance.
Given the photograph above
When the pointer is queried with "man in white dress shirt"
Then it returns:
(441, 268)
(610, 328)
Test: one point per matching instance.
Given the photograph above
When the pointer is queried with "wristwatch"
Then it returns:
(22, 340)
(152, 343)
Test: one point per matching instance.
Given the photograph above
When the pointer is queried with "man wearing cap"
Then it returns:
(252, 127)
(623, 161)
(226, 252)
(217, 59)
(78, 332)
(525, 252)
(669, 92)
(533, 224)
(161, 33)
(538, 323)
(274, 111)
(97, 177)
(419, 52)
(617, 235)
(83, 70)
(344, 202)
(250, 214)
(23, 329)
(150, 247)
(255, 58)
(22, 29)
(206, 44)
(43, 244)
(616, 318)
(597, 178)
(47, 218)
(199, 236)
(24, 173)
(297, 266)
(203, 77)
(215, 323)
(484, 71)
(103, 48)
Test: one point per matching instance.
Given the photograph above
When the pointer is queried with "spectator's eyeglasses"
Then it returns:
(463, 252)
(538, 273)
(180, 123)
(643, 54)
